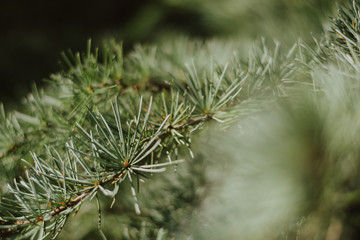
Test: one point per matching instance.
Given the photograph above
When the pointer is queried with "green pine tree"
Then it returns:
(255, 146)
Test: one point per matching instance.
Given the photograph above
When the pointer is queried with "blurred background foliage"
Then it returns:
(33, 33)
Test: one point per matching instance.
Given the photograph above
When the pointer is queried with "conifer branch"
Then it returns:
(108, 133)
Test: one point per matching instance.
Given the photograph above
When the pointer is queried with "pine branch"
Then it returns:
(105, 148)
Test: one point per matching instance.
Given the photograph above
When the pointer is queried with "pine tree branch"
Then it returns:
(125, 146)
(106, 180)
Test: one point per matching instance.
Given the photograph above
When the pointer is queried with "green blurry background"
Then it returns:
(33, 33)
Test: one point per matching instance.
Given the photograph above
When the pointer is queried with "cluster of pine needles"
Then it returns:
(263, 145)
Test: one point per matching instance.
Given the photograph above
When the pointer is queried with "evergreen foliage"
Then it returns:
(262, 146)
